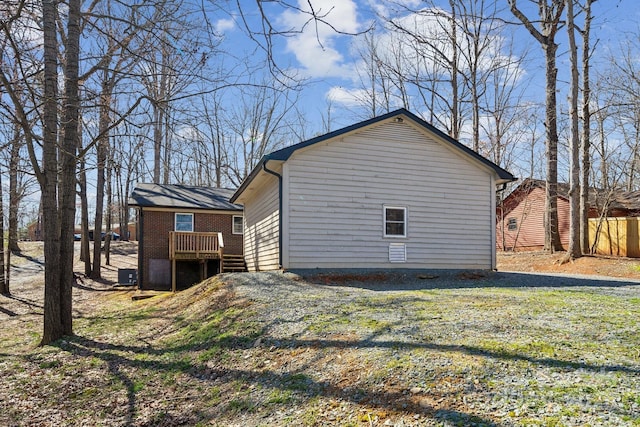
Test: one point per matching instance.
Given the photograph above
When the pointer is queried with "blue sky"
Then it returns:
(327, 58)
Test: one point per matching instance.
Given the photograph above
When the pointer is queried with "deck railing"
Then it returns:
(195, 245)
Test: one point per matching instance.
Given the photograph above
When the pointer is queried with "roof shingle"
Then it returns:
(182, 196)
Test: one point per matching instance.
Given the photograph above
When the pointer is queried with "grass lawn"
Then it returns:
(475, 356)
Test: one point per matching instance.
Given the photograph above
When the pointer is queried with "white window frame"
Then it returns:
(233, 224)
(512, 224)
(175, 221)
(405, 222)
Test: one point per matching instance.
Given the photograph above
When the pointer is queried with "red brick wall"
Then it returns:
(157, 225)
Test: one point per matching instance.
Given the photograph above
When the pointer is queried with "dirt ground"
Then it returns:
(552, 263)
(27, 280)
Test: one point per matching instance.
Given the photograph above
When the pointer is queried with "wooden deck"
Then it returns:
(194, 246)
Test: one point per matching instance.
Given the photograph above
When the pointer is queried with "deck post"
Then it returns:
(173, 275)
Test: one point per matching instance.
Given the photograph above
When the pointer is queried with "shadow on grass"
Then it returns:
(39, 260)
(32, 304)
(123, 361)
(127, 363)
(8, 312)
(120, 367)
(103, 285)
(403, 280)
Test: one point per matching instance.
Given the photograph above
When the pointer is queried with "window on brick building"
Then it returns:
(237, 224)
(184, 222)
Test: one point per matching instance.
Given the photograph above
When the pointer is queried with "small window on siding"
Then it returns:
(237, 224)
(512, 224)
(184, 222)
(395, 221)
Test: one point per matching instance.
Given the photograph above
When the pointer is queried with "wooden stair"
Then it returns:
(233, 263)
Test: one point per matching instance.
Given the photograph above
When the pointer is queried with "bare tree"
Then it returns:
(48, 178)
(84, 206)
(168, 71)
(128, 149)
(586, 127)
(14, 192)
(574, 250)
(258, 125)
(622, 82)
(506, 116)
(378, 75)
(4, 282)
(550, 12)
(68, 159)
(479, 31)
(439, 45)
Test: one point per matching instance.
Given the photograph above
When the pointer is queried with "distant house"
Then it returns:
(129, 234)
(389, 192)
(185, 234)
(520, 216)
(34, 230)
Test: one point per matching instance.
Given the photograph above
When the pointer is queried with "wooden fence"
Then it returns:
(615, 236)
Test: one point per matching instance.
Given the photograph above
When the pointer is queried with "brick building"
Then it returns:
(186, 234)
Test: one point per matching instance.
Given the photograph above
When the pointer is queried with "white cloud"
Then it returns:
(224, 25)
(347, 97)
(386, 9)
(316, 47)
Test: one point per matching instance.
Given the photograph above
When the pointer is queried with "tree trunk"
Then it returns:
(552, 242)
(53, 328)
(14, 196)
(574, 250)
(586, 129)
(68, 163)
(84, 210)
(107, 239)
(102, 148)
(159, 111)
(157, 140)
(550, 19)
(4, 282)
(455, 101)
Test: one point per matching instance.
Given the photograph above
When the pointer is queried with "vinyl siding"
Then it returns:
(529, 216)
(336, 190)
(261, 216)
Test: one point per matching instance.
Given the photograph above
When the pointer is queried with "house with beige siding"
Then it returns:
(389, 192)
(186, 234)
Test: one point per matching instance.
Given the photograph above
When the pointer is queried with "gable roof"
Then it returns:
(284, 153)
(182, 197)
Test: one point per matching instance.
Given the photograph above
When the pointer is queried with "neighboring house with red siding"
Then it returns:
(186, 234)
(34, 230)
(520, 216)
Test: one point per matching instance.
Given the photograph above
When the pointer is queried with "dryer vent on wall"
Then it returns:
(397, 252)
